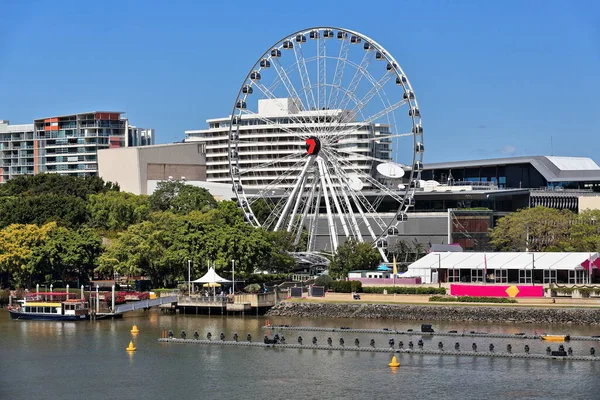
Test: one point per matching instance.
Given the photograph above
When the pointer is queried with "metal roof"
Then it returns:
(553, 169)
(81, 113)
(502, 260)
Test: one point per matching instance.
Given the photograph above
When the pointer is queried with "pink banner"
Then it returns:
(497, 290)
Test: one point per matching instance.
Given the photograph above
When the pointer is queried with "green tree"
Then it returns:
(68, 255)
(323, 280)
(177, 197)
(55, 184)
(18, 244)
(115, 211)
(535, 229)
(353, 255)
(68, 211)
(279, 260)
(584, 232)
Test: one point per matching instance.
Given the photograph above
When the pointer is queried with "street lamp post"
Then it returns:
(189, 277)
(233, 277)
(532, 269)
(439, 269)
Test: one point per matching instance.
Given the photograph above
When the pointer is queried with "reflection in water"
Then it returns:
(94, 349)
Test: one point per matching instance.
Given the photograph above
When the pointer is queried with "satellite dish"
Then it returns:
(431, 183)
(390, 170)
(355, 183)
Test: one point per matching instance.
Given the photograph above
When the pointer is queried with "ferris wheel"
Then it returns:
(325, 140)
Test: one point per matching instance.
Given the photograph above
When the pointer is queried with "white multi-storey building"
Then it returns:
(276, 131)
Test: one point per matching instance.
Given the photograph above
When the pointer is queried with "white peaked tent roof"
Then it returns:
(523, 260)
(211, 277)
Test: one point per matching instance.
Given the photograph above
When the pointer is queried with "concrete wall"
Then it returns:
(133, 167)
(425, 228)
(589, 203)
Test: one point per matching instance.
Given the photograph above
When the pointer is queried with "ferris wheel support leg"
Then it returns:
(296, 205)
(288, 204)
(336, 203)
(383, 255)
(332, 230)
(357, 203)
(305, 212)
(344, 183)
(312, 233)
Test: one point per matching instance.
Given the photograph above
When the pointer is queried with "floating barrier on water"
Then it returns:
(135, 330)
(568, 356)
(131, 347)
(387, 331)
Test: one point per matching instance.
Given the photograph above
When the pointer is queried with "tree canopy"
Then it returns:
(115, 211)
(180, 198)
(353, 255)
(52, 228)
(60, 185)
(547, 229)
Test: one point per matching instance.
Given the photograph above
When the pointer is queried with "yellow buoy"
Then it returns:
(135, 329)
(394, 363)
(131, 347)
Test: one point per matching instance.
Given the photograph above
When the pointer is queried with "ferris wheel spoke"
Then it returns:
(314, 223)
(331, 223)
(358, 202)
(274, 125)
(321, 73)
(271, 96)
(304, 77)
(373, 182)
(376, 85)
(358, 75)
(371, 119)
(276, 184)
(307, 206)
(368, 206)
(344, 188)
(299, 197)
(294, 193)
(362, 156)
(269, 163)
(336, 202)
(374, 138)
(287, 83)
(375, 89)
(340, 66)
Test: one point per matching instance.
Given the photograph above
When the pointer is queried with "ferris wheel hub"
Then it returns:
(313, 145)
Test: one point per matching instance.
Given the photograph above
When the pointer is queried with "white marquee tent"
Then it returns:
(525, 265)
(211, 278)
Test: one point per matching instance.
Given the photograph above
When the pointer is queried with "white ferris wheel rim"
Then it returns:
(345, 184)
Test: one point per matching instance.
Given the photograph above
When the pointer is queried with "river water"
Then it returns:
(87, 360)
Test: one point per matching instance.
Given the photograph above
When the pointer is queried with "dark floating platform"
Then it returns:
(388, 350)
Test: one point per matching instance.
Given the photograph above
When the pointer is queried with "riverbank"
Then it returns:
(439, 312)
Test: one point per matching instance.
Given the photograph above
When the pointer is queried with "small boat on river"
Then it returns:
(50, 306)
(556, 338)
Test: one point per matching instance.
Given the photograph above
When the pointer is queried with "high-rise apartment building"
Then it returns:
(274, 131)
(66, 144)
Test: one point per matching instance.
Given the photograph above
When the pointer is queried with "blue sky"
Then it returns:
(493, 79)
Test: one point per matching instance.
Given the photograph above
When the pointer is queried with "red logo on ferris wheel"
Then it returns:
(313, 145)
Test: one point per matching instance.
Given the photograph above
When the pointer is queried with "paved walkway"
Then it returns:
(424, 299)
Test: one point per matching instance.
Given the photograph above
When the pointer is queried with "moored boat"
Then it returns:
(556, 338)
(50, 306)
